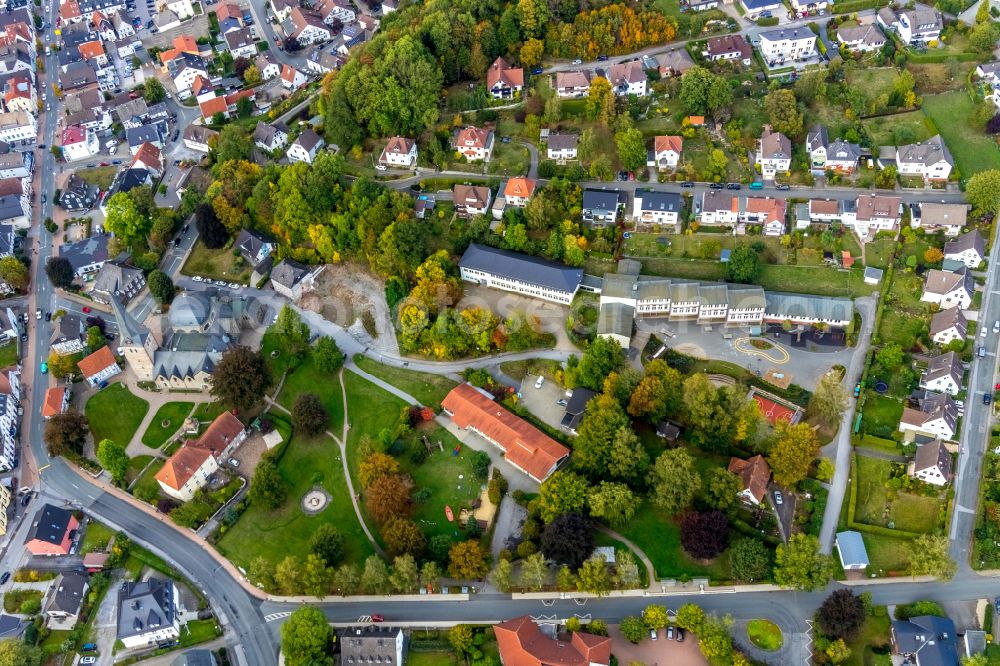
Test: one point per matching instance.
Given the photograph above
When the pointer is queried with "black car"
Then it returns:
(602, 58)
(716, 186)
(5, 577)
(784, 187)
(48, 316)
(116, 161)
(110, 337)
(177, 133)
(687, 183)
(733, 186)
(26, 499)
(41, 146)
(536, 71)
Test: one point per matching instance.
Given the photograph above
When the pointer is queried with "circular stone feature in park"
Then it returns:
(315, 501)
(764, 634)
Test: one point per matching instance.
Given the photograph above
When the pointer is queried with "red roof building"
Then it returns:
(755, 474)
(525, 446)
(52, 532)
(522, 643)
(56, 401)
(226, 430)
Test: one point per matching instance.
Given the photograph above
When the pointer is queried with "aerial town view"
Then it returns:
(499, 332)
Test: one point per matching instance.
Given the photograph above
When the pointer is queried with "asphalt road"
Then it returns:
(976, 424)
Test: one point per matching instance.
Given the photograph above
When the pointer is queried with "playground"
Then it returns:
(774, 409)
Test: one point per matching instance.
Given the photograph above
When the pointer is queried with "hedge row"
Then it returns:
(937, 58)
(852, 6)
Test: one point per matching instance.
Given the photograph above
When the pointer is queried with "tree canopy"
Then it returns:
(306, 638)
(241, 378)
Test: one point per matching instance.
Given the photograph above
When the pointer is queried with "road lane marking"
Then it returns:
(42, 469)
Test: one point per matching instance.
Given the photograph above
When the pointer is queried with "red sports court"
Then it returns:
(772, 411)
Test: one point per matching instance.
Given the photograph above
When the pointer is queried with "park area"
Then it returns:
(168, 420)
(427, 388)
(115, 414)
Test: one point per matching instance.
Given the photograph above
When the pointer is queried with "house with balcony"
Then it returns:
(774, 154)
(785, 45)
(504, 81)
(931, 160)
(474, 143)
(628, 78)
(949, 290)
(655, 207)
(666, 152)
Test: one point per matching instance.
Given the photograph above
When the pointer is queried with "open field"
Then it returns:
(972, 151)
(429, 389)
(659, 537)
(274, 535)
(904, 511)
(898, 129)
(216, 264)
(115, 414)
(307, 378)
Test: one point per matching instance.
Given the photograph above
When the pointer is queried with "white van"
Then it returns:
(541, 380)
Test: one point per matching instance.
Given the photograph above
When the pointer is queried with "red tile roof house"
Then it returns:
(522, 643)
(755, 474)
(188, 469)
(225, 434)
(524, 446)
(474, 143)
(53, 532)
(504, 81)
(99, 366)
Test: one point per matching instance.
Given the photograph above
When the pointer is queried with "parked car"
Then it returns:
(777, 498)
(784, 187)
(716, 186)
(86, 308)
(38, 313)
(561, 402)
(602, 58)
(197, 278)
(652, 634)
(687, 183)
(680, 635)
(987, 398)
(733, 186)
(670, 632)
(377, 618)
(996, 327)
(89, 660)
(536, 71)
(5, 577)
(539, 382)
(234, 462)
(577, 62)
(45, 368)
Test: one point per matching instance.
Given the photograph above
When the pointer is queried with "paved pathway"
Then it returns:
(654, 585)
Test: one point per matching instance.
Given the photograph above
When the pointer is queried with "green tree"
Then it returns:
(14, 273)
(674, 481)
(749, 560)
(327, 355)
(124, 220)
(563, 492)
(628, 460)
(929, 557)
(113, 458)
(838, 652)
(66, 433)
(631, 148)
(534, 572)
(16, 653)
(291, 331)
(565, 580)
(983, 191)
(655, 616)
(95, 340)
(783, 111)
(695, 86)
(829, 401)
(309, 415)
(307, 638)
(714, 640)
(799, 564)
(267, 487)
(468, 560)
(890, 356)
(720, 488)
(252, 75)
(792, 453)
(316, 576)
(743, 265)
(502, 576)
(690, 617)
(345, 579)
(375, 576)
(328, 543)
(153, 91)
(531, 52)
(601, 358)
(626, 570)
(586, 147)
(516, 237)
(405, 576)
(240, 378)
(632, 628)
(461, 636)
(161, 286)
(594, 576)
(60, 272)
(983, 37)
(613, 502)
(601, 101)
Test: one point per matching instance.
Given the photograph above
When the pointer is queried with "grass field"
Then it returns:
(207, 411)
(172, 414)
(660, 538)
(898, 129)
(874, 632)
(911, 513)
(147, 483)
(285, 531)
(907, 315)
(429, 389)
(821, 281)
(878, 253)
(215, 264)
(8, 355)
(100, 176)
(764, 634)
(873, 81)
(96, 537)
(887, 554)
(972, 151)
(414, 658)
(115, 414)
(369, 409)
(307, 378)
(135, 467)
(198, 631)
(881, 414)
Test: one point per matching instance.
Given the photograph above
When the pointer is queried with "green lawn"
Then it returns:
(764, 634)
(907, 512)
(430, 658)
(147, 483)
(96, 537)
(8, 355)
(100, 176)
(906, 316)
(874, 81)
(887, 554)
(881, 414)
(898, 129)
(219, 264)
(167, 420)
(307, 378)
(973, 152)
(448, 477)
(427, 388)
(115, 414)
(874, 632)
(198, 631)
(822, 281)
(879, 252)
(207, 411)
(660, 538)
(369, 409)
(135, 467)
(286, 531)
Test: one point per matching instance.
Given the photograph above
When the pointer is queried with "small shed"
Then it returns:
(846, 259)
(724, 256)
(873, 275)
(851, 548)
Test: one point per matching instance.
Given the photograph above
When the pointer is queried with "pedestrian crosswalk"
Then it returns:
(271, 617)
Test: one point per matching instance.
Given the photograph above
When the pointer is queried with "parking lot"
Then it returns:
(543, 402)
(659, 652)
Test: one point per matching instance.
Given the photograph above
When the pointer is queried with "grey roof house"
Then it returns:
(254, 246)
(288, 278)
(600, 207)
(575, 407)
(117, 279)
(147, 612)
(521, 273)
(62, 607)
(926, 640)
(88, 255)
(371, 645)
(77, 194)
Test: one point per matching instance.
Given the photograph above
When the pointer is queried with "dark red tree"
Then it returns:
(841, 614)
(704, 534)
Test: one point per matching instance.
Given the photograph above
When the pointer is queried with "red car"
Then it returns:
(377, 618)
(996, 387)
(86, 308)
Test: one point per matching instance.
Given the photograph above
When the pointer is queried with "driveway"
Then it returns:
(542, 401)
(509, 520)
(660, 652)
(785, 511)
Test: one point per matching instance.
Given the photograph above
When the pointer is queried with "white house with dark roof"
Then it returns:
(254, 246)
(929, 159)
(729, 47)
(572, 84)
(932, 463)
(871, 213)
(655, 207)
(118, 280)
(305, 147)
(291, 279)
(270, 137)
(949, 290)
(937, 417)
(471, 200)
(148, 612)
(861, 38)
(241, 43)
(520, 273)
(197, 137)
(600, 207)
(782, 45)
(561, 147)
(969, 248)
(948, 325)
(920, 24)
(628, 78)
(87, 255)
(719, 208)
(943, 374)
